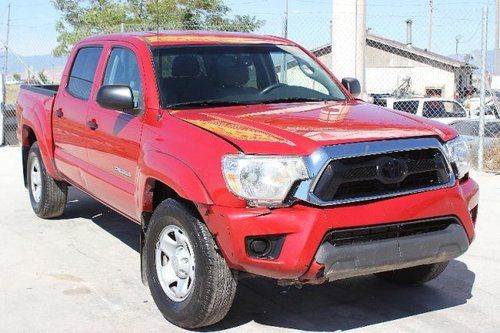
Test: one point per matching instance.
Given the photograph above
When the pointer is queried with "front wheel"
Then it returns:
(47, 195)
(189, 279)
(414, 275)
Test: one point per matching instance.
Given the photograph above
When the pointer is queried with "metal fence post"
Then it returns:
(2, 109)
(484, 46)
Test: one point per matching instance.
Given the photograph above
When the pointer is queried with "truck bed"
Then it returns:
(49, 89)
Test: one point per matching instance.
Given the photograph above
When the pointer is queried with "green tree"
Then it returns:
(80, 19)
(44, 79)
(16, 76)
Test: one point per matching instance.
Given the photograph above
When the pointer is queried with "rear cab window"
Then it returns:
(81, 77)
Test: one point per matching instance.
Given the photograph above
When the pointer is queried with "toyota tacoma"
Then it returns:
(242, 155)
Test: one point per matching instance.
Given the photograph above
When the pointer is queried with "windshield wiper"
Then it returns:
(217, 103)
(299, 99)
(206, 104)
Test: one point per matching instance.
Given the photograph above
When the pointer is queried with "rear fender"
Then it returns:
(44, 139)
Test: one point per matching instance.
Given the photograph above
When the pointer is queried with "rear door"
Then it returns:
(114, 147)
(71, 108)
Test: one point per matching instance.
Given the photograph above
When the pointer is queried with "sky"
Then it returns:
(33, 21)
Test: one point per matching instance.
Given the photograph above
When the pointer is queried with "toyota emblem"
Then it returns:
(391, 170)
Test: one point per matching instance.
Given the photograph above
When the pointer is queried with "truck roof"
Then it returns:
(176, 37)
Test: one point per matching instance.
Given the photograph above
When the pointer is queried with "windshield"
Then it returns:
(198, 76)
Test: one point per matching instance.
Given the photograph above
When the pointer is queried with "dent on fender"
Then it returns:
(181, 178)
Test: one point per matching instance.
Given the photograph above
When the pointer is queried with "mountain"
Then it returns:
(36, 63)
(476, 59)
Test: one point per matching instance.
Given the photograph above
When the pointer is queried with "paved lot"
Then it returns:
(81, 273)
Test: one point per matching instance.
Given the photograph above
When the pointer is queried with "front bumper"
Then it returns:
(346, 261)
(305, 227)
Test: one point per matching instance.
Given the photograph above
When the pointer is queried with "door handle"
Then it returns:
(92, 124)
(59, 113)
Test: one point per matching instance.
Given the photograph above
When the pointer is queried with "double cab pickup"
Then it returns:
(242, 155)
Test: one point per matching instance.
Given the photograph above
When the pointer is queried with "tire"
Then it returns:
(210, 285)
(414, 275)
(48, 196)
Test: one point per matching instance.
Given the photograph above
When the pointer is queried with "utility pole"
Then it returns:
(285, 35)
(431, 11)
(4, 78)
(361, 45)
(457, 41)
(497, 37)
(349, 40)
(7, 44)
(285, 20)
(482, 98)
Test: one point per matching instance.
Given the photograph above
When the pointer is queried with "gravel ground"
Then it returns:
(80, 273)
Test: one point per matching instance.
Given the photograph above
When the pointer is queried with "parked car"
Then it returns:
(473, 103)
(469, 130)
(234, 169)
(440, 109)
(491, 110)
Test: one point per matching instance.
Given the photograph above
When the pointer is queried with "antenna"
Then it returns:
(158, 72)
(157, 21)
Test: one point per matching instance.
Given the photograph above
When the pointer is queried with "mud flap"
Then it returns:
(144, 223)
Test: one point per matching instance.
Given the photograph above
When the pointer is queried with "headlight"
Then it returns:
(458, 154)
(262, 180)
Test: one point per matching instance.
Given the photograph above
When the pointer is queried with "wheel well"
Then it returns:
(28, 139)
(157, 192)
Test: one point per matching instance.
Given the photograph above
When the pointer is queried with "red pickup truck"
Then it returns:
(242, 155)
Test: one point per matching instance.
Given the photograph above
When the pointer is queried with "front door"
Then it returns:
(70, 115)
(113, 150)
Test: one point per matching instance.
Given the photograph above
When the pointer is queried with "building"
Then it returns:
(397, 68)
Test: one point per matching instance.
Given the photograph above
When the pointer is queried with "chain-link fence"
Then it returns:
(401, 64)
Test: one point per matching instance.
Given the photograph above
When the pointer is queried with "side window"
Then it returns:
(454, 109)
(122, 68)
(82, 73)
(406, 106)
(434, 109)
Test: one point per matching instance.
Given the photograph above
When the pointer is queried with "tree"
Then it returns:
(80, 19)
(44, 79)
(16, 77)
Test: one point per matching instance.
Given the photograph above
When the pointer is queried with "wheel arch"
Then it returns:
(155, 191)
(28, 138)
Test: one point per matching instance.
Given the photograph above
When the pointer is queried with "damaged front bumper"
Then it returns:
(344, 261)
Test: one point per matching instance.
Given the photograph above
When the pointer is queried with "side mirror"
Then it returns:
(117, 97)
(352, 85)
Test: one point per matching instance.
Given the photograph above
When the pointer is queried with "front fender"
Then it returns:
(172, 172)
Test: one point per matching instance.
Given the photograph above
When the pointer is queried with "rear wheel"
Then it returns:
(188, 278)
(47, 196)
(414, 275)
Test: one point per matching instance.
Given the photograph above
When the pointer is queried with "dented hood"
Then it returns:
(300, 128)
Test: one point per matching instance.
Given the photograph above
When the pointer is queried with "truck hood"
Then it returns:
(301, 128)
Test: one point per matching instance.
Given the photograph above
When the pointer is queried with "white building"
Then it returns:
(394, 67)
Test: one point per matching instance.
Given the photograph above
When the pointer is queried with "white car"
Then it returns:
(440, 109)
(473, 103)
